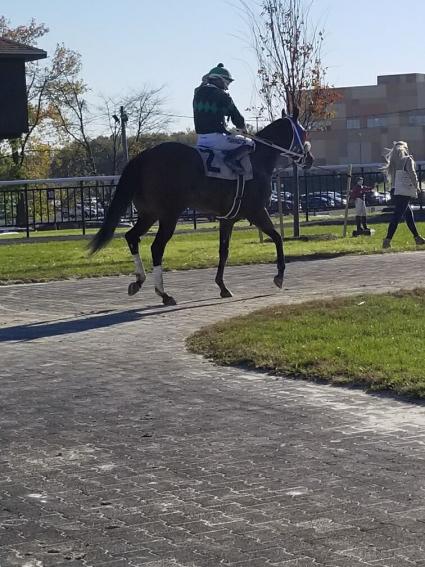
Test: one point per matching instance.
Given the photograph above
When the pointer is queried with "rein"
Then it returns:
(283, 151)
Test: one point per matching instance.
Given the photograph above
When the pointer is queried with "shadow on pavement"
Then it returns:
(33, 331)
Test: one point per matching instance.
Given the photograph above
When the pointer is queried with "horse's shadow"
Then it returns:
(46, 329)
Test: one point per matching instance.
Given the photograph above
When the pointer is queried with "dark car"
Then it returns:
(287, 205)
(317, 202)
(190, 214)
(287, 200)
(335, 197)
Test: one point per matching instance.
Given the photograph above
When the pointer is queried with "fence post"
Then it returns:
(296, 197)
(27, 213)
(306, 195)
(83, 212)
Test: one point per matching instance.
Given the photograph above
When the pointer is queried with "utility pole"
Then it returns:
(124, 120)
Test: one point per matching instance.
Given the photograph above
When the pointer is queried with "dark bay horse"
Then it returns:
(168, 178)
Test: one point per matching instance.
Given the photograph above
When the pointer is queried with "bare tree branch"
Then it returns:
(290, 69)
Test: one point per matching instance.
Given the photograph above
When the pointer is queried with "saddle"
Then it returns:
(215, 165)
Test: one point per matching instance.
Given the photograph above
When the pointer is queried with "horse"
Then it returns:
(168, 178)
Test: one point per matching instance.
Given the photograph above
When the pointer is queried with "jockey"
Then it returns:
(211, 105)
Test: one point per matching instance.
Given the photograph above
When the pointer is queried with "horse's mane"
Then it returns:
(269, 129)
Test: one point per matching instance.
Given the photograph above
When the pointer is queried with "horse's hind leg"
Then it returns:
(165, 232)
(142, 225)
(262, 220)
(226, 227)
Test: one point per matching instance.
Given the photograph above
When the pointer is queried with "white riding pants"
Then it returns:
(225, 142)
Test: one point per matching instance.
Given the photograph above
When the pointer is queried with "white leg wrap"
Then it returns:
(140, 269)
(157, 275)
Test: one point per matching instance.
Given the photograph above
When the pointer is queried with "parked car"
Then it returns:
(339, 200)
(334, 198)
(377, 198)
(75, 213)
(317, 202)
(287, 200)
(187, 215)
(287, 206)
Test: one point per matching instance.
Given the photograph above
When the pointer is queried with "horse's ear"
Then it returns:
(283, 113)
(296, 113)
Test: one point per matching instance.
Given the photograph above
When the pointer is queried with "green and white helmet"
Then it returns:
(220, 72)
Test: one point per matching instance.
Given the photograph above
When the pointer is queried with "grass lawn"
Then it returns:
(42, 261)
(374, 340)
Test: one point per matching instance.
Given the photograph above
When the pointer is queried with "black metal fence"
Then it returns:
(328, 189)
(82, 201)
(34, 204)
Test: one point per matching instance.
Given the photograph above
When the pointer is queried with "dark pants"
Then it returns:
(402, 209)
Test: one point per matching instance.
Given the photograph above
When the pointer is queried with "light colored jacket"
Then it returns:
(404, 178)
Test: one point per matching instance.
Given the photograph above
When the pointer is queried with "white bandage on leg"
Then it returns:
(140, 269)
(157, 275)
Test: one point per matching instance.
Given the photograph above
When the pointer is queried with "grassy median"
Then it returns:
(43, 261)
(373, 340)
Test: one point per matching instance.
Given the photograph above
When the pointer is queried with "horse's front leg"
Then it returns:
(226, 228)
(262, 220)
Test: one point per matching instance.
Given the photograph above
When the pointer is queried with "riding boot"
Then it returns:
(232, 158)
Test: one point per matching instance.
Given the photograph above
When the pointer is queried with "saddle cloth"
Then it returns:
(214, 165)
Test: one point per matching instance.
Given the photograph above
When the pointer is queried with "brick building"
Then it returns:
(368, 118)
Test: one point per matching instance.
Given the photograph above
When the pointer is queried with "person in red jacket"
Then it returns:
(358, 194)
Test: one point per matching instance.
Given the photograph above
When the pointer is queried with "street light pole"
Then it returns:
(124, 120)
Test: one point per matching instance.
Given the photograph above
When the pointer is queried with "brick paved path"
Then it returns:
(118, 448)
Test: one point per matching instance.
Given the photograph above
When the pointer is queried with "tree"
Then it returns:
(114, 125)
(146, 116)
(69, 160)
(69, 108)
(40, 78)
(290, 68)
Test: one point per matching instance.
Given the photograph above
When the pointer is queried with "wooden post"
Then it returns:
(350, 168)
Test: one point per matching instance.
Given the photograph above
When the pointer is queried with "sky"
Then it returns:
(131, 44)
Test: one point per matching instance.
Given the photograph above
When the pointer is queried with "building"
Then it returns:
(368, 118)
(13, 93)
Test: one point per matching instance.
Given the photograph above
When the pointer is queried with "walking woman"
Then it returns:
(400, 169)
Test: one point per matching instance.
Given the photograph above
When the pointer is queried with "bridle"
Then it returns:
(296, 142)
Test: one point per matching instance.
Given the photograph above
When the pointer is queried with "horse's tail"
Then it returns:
(124, 192)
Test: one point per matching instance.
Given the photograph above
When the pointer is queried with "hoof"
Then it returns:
(168, 300)
(134, 287)
(278, 281)
(225, 293)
